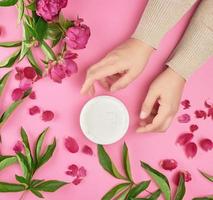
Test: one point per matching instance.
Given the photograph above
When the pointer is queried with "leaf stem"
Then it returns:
(23, 195)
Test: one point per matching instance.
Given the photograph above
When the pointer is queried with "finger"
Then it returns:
(148, 104)
(123, 81)
(159, 123)
(99, 73)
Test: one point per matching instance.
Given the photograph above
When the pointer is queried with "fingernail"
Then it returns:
(143, 115)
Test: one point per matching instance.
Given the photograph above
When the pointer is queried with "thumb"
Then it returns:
(148, 104)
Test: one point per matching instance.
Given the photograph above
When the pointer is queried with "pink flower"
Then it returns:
(87, 150)
(78, 36)
(34, 110)
(65, 68)
(206, 144)
(191, 150)
(184, 138)
(29, 73)
(17, 94)
(19, 147)
(47, 115)
(71, 145)
(168, 164)
(185, 118)
(49, 9)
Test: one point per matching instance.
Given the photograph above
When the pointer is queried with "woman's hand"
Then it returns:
(162, 102)
(119, 68)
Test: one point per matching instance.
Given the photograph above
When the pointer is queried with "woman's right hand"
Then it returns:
(118, 68)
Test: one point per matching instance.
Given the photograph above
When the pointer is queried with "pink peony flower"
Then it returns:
(49, 9)
(65, 68)
(78, 36)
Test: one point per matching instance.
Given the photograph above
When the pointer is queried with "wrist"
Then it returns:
(175, 76)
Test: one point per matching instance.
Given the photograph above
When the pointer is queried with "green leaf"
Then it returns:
(22, 159)
(126, 162)
(5, 3)
(207, 176)
(27, 148)
(10, 187)
(180, 189)
(6, 161)
(155, 195)
(37, 193)
(107, 163)
(48, 51)
(115, 190)
(32, 6)
(26, 46)
(41, 28)
(48, 154)
(123, 195)
(39, 143)
(10, 44)
(160, 179)
(33, 62)
(135, 191)
(3, 82)
(50, 186)
(20, 10)
(35, 182)
(203, 198)
(8, 62)
(21, 179)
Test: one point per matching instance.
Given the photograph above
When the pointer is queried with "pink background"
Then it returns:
(111, 23)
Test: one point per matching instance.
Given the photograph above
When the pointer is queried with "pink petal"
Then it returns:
(25, 84)
(168, 164)
(206, 144)
(186, 104)
(19, 147)
(77, 181)
(193, 127)
(17, 94)
(20, 74)
(29, 73)
(73, 170)
(210, 112)
(187, 176)
(34, 110)
(87, 150)
(82, 172)
(47, 115)
(200, 114)
(32, 95)
(191, 150)
(208, 104)
(185, 118)
(71, 145)
(184, 138)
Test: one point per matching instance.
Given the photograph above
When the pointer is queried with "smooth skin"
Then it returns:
(122, 66)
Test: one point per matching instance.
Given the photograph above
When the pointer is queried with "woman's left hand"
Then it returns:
(162, 102)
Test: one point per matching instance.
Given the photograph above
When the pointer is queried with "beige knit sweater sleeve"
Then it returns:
(196, 45)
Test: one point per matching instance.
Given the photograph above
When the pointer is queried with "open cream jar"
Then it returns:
(104, 120)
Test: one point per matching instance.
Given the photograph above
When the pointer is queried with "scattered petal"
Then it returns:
(191, 150)
(17, 94)
(32, 95)
(19, 74)
(47, 115)
(77, 181)
(34, 110)
(25, 84)
(210, 112)
(193, 127)
(186, 104)
(168, 164)
(206, 144)
(200, 114)
(208, 104)
(29, 73)
(87, 150)
(71, 145)
(184, 138)
(82, 172)
(73, 170)
(19, 147)
(187, 176)
(185, 118)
